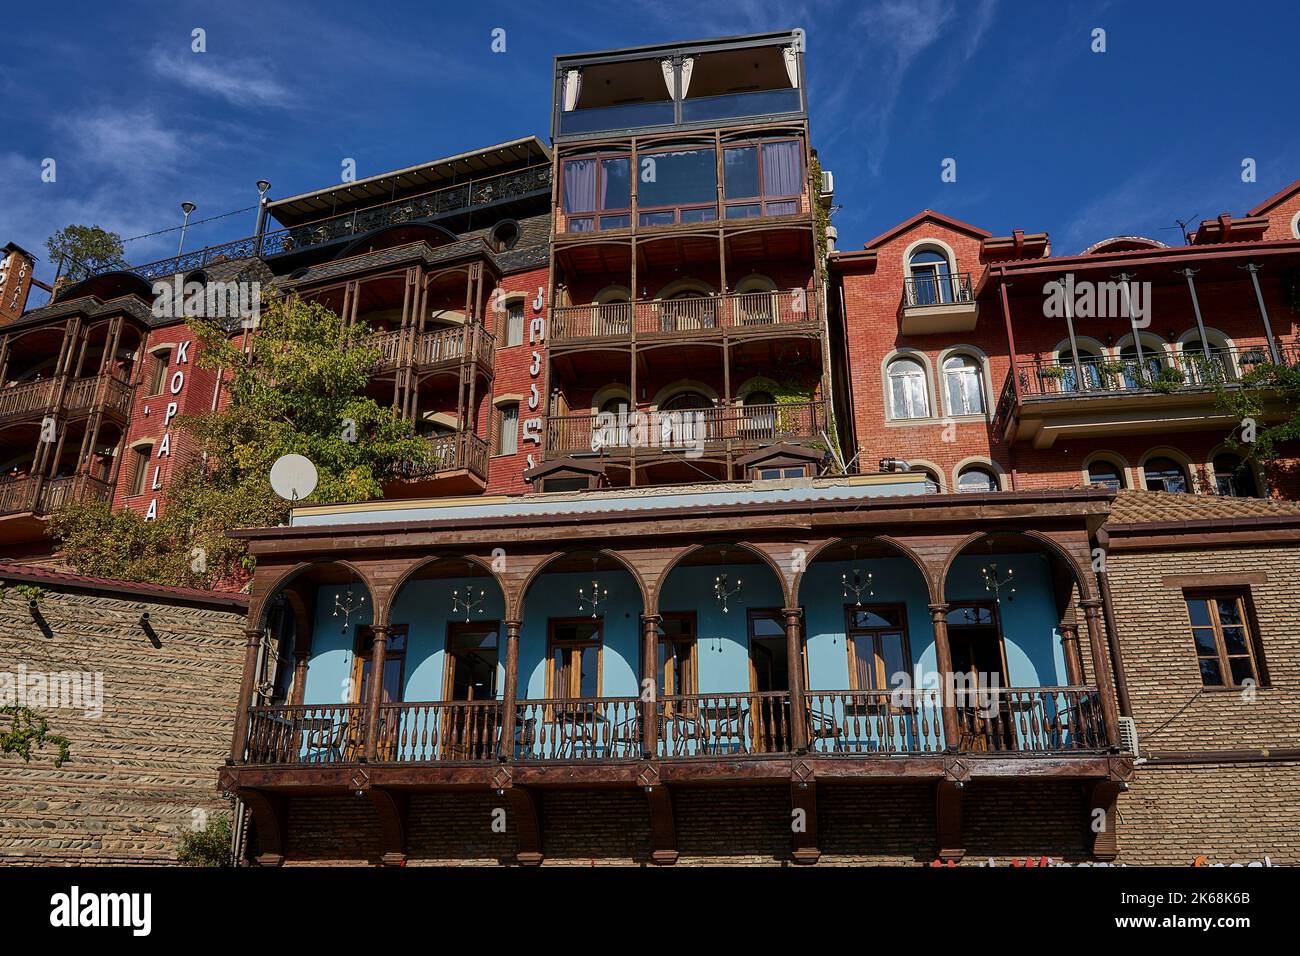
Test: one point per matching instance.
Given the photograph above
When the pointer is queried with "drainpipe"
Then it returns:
(1102, 541)
(1253, 269)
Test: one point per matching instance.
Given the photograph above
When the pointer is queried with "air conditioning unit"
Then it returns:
(828, 182)
(1128, 736)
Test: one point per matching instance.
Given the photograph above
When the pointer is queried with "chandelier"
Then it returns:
(995, 584)
(723, 590)
(347, 607)
(860, 584)
(597, 596)
(469, 603)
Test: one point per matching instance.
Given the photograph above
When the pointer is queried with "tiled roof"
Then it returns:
(1144, 507)
(10, 571)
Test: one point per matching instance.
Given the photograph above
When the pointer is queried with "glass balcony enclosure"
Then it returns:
(690, 84)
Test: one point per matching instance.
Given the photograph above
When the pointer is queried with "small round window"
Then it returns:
(505, 235)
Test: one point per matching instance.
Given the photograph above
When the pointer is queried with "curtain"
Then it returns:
(580, 185)
(572, 86)
(781, 169)
(792, 66)
(667, 67)
(688, 63)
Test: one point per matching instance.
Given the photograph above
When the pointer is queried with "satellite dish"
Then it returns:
(293, 477)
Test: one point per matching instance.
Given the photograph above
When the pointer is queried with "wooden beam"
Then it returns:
(803, 820)
(1101, 817)
(947, 818)
(663, 825)
(269, 816)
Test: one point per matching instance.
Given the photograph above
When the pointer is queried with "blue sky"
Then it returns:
(1047, 135)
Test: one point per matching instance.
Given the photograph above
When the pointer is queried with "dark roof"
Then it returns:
(63, 579)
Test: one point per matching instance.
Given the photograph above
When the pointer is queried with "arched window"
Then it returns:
(1165, 474)
(687, 400)
(1089, 367)
(141, 455)
(963, 383)
(908, 395)
(932, 485)
(1205, 366)
(504, 235)
(1106, 473)
(760, 412)
(1151, 365)
(1233, 477)
(976, 478)
(931, 276)
(616, 405)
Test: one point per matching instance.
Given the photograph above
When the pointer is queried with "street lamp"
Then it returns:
(187, 208)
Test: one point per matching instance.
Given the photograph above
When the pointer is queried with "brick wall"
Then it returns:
(137, 772)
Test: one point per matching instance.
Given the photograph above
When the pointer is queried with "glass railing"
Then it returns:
(628, 116)
(735, 105)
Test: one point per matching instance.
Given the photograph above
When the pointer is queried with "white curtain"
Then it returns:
(688, 63)
(667, 67)
(572, 86)
(792, 66)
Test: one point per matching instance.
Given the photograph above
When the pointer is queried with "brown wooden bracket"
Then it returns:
(502, 780)
(360, 780)
(803, 813)
(663, 824)
(528, 825)
(269, 816)
(947, 819)
(1121, 768)
(1101, 817)
(956, 769)
(392, 807)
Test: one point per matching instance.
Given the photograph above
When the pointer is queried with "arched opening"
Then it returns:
(1084, 374)
(722, 669)
(907, 389)
(977, 478)
(1162, 473)
(579, 671)
(1106, 473)
(866, 601)
(963, 385)
(1013, 639)
(930, 276)
(1136, 374)
(1234, 477)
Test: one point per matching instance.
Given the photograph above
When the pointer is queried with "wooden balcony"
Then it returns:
(708, 430)
(30, 495)
(27, 399)
(748, 314)
(437, 349)
(1170, 391)
(106, 392)
(459, 453)
(1020, 722)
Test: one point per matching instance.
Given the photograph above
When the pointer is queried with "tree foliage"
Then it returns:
(297, 389)
(209, 846)
(85, 250)
(30, 731)
(1274, 384)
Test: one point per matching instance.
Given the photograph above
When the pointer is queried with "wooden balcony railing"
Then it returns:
(1030, 721)
(439, 347)
(875, 721)
(743, 311)
(721, 426)
(606, 728)
(440, 731)
(105, 391)
(702, 725)
(20, 495)
(305, 734)
(29, 398)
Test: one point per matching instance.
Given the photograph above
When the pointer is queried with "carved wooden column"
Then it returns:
(794, 667)
(1101, 816)
(943, 661)
(1070, 650)
(252, 642)
(510, 693)
(376, 695)
(1092, 612)
(650, 671)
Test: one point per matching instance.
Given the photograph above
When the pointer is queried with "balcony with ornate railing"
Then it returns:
(435, 204)
(746, 313)
(1013, 721)
(436, 348)
(934, 303)
(716, 429)
(28, 494)
(26, 399)
(457, 452)
(1125, 394)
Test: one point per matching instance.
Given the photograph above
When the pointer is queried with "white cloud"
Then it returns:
(240, 81)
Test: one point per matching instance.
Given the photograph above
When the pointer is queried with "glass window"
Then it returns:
(615, 183)
(930, 277)
(1233, 478)
(158, 371)
(977, 479)
(580, 185)
(908, 396)
(1225, 651)
(508, 439)
(964, 385)
(1106, 473)
(515, 323)
(472, 661)
(679, 178)
(140, 457)
(1165, 474)
(676, 649)
(575, 658)
(740, 171)
(878, 644)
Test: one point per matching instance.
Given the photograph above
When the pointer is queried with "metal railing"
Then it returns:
(696, 314)
(720, 426)
(921, 291)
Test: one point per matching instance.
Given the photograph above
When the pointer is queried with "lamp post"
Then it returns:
(187, 208)
(263, 187)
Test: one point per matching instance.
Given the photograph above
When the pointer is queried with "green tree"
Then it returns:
(1265, 383)
(296, 390)
(209, 846)
(85, 250)
(30, 731)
